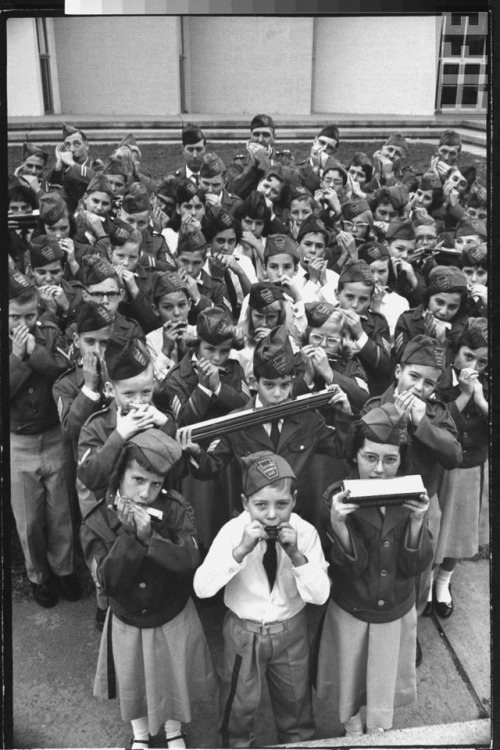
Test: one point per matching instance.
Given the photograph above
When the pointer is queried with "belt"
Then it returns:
(268, 628)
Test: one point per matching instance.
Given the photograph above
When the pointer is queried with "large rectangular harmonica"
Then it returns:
(366, 492)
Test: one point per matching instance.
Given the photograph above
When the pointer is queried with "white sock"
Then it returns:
(140, 728)
(354, 726)
(443, 586)
(173, 729)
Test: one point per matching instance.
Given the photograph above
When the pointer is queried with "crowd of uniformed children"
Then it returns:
(142, 310)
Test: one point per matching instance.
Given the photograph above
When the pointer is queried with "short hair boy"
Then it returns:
(271, 564)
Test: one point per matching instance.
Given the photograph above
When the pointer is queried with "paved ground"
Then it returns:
(55, 651)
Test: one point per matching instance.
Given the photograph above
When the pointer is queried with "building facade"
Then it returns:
(156, 66)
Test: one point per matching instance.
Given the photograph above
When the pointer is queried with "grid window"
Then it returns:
(472, 70)
(456, 19)
(475, 44)
(449, 96)
(469, 96)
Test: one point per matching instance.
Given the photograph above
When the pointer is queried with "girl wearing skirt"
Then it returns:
(153, 656)
(366, 650)
(463, 492)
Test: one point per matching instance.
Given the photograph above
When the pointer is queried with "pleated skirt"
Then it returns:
(159, 671)
(365, 664)
(463, 495)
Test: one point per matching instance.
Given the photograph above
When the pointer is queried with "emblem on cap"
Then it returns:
(439, 358)
(442, 282)
(279, 363)
(268, 468)
(47, 252)
(477, 253)
(280, 242)
(226, 219)
(267, 296)
(139, 357)
(323, 309)
(122, 233)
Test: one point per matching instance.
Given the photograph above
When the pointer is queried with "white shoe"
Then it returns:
(354, 726)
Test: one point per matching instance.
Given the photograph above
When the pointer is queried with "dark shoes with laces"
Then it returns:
(47, 593)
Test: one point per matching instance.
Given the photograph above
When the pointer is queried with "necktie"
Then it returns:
(270, 561)
(275, 434)
(231, 291)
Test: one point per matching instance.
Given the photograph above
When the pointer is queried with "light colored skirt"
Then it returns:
(366, 664)
(159, 671)
(462, 494)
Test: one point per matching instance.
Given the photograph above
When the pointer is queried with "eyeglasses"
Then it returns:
(372, 459)
(331, 181)
(429, 238)
(355, 224)
(318, 340)
(99, 296)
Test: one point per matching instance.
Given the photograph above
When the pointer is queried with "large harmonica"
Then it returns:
(249, 417)
(153, 512)
(378, 492)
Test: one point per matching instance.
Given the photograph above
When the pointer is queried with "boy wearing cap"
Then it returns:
(103, 286)
(447, 153)
(432, 431)
(474, 266)
(386, 204)
(212, 178)
(388, 166)
(271, 564)
(324, 145)
(191, 256)
(295, 437)
(401, 243)
(314, 280)
(38, 485)
(32, 168)
(384, 300)
(129, 385)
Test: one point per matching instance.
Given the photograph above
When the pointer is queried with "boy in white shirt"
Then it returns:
(266, 589)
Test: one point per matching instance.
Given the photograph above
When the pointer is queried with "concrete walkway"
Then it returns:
(55, 653)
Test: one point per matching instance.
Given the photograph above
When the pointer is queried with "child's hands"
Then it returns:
(91, 371)
(434, 327)
(19, 337)
(479, 292)
(142, 521)
(158, 418)
(354, 323)
(287, 537)
(340, 400)
(208, 375)
(134, 421)
(125, 515)
(183, 437)
(417, 506)
(191, 284)
(339, 509)
(289, 287)
(318, 357)
(260, 333)
(411, 405)
(347, 244)
(403, 265)
(67, 244)
(252, 534)
(317, 270)
(467, 380)
(172, 332)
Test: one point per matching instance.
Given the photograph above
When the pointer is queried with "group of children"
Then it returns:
(143, 314)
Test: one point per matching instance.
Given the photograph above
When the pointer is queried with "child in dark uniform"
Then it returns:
(153, 653)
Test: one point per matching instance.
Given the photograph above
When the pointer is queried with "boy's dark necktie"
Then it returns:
(270, 561)
(275, 434)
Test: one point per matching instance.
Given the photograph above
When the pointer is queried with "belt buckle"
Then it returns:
(263, 629)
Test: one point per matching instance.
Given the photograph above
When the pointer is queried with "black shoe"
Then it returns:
(100, 618)
(419, 655)
(428, 609)
(44, 594)
(69, 587)
(444, 610)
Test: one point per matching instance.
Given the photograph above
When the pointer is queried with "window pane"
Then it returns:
(473, 19)
(469, 95)
(456, 19)
(472, 70)
(475, 43)
(448, 95)
(451, 70)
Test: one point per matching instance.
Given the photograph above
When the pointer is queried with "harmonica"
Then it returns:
(376, 492)
(153, 512)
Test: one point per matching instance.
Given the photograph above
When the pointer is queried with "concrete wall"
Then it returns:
(249, 64)
(376, 65)
(24, 82)
(122, 66)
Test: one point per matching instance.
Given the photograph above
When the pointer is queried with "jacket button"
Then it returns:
(142, 585)
(383, 572)
(380, 603)
(144, 612)
(30, 390)
(386, 544)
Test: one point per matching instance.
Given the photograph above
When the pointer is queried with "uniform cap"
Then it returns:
(128, 140)
(318, 313)
(399, 195)
(333, 163)
(297, 192)
(19, 284)
(168, 282)
(385, 424)
(254, 206)
(262, 469)
(278, 244)
(218, 221)
(475, 335)
(353, 208)
(421, 218)
(474, 256)
(99, 184)
(312, 225)
(44, 250)
(90, 316)
(214, 326)
(31, 149)
(400, 229)
(191, 243)
(468, 226)
(330, 131)
(370, 252)
(273, 355)
(191, 134)
(96, 269)
(159, 449)
(262, 294)
(136, 200)
(52, 208)
(262, 121)
(430, 180)
(186, 191)
(70, 130)
(356, 270)
(397, 139)
(211, 165)
(120, 232)
(125, 358)
(450, 138)
(446, 279)
(424, 350)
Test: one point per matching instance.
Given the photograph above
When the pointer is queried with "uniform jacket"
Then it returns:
(73, 406)
(148, 585)
(433, 443)
(473, 426)
(141, 308)
(155, 246)
(411, 324)
(126, 328)
(191, 404)
(375, 355)
(73, 180)
(301, 436)
(377, 583)
(350, 375)
(73, 291)
(32, 408)
(100, 444)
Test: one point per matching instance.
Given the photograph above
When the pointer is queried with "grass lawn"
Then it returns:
(161, 159)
